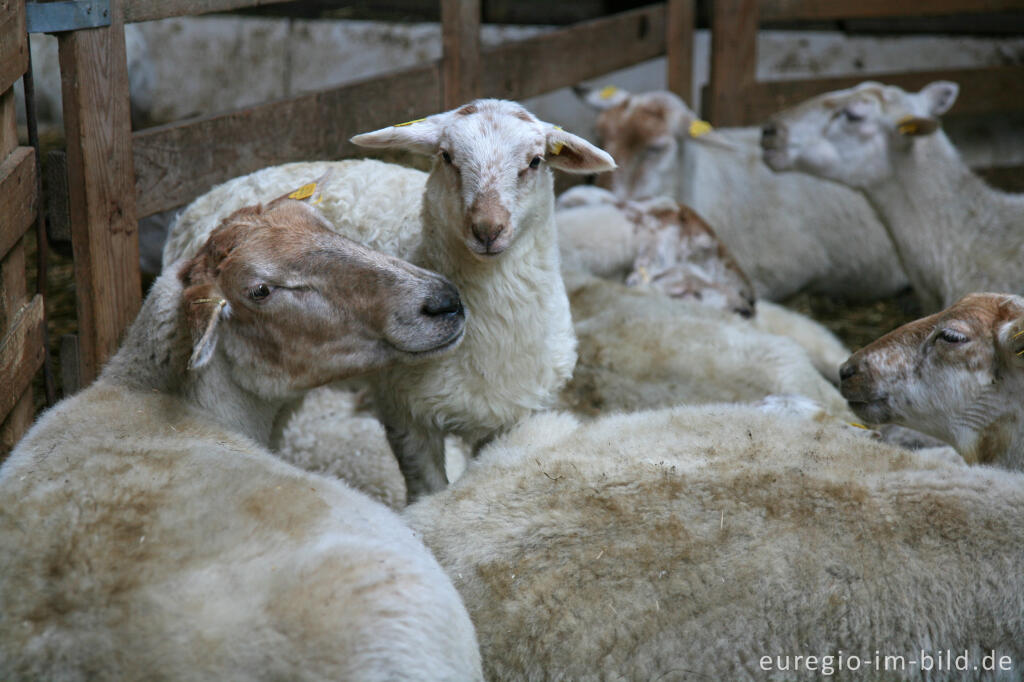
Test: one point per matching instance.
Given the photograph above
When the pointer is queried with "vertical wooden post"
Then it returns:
(733, 60)
(460, 60)
(101, 187)
(679, 47)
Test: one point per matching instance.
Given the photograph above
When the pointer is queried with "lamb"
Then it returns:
(953, 233)
(146, 530)
(788, 233)
(704, 542)
(484, 219)
(955, 375)
(676, 252)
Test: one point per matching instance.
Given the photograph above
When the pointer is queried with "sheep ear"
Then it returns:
(573, 154)
(914, 126)
(1011, 340)
(421, 136)
(601, 98)
(939, 96)
(204, 311)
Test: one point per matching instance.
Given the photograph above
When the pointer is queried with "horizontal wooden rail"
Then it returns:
(21, 353)
(176, 163)
(13, 42)
(984, 90)
(148, 10)
(17, 197)
(565, 57)
(824, 10)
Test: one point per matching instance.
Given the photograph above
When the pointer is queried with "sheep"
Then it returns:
(954, 375)
(676, 252)
(953, 233)
(788, 233)
(640, 349)
(484, 219)
(146, 530)
(694, 543)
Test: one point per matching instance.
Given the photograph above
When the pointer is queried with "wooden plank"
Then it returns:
(101, 187)
(16, 424)
(21, 353)
(176, 163)
(13, 42)
(460, 61)
(819, 10)
(679, 25)
(13, 285)
(148, 10)
(733, 59)
(16, 415)
(17, 196)
(987, 90)
(565, 57)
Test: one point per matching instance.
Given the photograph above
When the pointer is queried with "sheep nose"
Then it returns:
(487, 233)
(769, 134)
(848, 369)
(445, 302)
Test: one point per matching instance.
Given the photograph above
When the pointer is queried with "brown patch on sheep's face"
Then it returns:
(642, 133)
(953, 375)
(293, 305)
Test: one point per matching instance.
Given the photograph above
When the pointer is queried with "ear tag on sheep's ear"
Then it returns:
(304, 192)
(408, 123)
(607, 92)
(915, 125)
(556, 148)
(1018, 343)
(858, 425)
(699, 127)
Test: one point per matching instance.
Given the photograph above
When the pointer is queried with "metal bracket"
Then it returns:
(66, 15)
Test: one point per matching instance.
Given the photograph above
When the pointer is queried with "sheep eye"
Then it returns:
(851, 116)
(259, 292)
(535, 162)
(950, 336)
(446, 157)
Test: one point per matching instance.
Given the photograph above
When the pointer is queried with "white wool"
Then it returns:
(825, 350)
(690, 542)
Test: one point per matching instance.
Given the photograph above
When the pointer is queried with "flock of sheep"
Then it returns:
(621, 460)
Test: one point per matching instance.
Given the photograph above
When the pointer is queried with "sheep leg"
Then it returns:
(420, 454)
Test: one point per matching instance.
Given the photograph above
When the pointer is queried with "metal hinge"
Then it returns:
(66, 15)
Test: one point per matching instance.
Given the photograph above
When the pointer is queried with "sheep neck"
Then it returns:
(154, 355)
(990, 430)
(940, 217)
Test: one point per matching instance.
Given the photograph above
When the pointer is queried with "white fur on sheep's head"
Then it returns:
(851, 136)
(956, 375)
(489, 176)
(292, 305)
(644, 133)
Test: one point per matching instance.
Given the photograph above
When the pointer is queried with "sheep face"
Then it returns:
(953, 375)
(681, 255)
(644, 133)
(851, 136)
(292, 305)
(489, 177)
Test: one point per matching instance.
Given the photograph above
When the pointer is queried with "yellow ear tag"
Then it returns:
(699, 127)
(607, 91)
(907, 126)
(556, 148)
(408, 123)
(304, 192)
(859, 426)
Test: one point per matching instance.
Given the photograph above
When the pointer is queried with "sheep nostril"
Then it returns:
(446, 303)
(769, 133)
(847, 370)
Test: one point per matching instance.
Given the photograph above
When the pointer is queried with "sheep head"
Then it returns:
(490, 173)
(644, 133)
(292, 305)
(955, 375)
(850, 136)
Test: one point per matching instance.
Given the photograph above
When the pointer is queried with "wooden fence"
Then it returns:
(22, 324)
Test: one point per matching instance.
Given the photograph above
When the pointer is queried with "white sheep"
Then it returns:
(953, 233)
(702, 543)
(146, 530)
(788, 233)
(956, 375)
(484, 219)
(640, 349)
